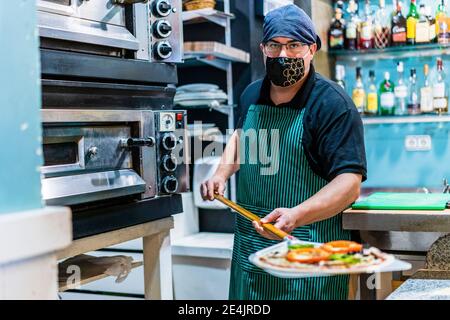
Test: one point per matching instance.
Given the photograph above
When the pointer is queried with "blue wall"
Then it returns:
(20, 127)
(390, 164)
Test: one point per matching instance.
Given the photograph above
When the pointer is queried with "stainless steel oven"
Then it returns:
(114, 148)
(142, 29)
(93, 155)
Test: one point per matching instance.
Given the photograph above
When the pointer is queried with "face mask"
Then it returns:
(284, 72)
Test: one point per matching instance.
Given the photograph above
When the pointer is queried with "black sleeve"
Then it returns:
(248, 97)
(334, 137)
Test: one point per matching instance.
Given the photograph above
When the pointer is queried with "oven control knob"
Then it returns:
(170, 184)
(161, 8)
(162, 29)
(169, 141)
(163, 50)
(169, 163)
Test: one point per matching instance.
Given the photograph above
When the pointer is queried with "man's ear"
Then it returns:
(261, 46)
(313, 49)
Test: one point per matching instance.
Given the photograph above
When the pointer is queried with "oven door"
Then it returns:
(94, 22)
(85, 159)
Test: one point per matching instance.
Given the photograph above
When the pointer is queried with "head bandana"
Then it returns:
(291, 22)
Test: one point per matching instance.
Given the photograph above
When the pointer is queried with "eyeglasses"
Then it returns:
(273, 49)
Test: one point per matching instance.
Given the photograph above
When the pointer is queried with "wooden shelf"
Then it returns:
(89, 271)
(206, 15)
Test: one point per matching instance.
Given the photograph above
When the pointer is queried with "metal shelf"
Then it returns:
(425, 50)
(218, 59)
(207, 15)
(195, 57)
(406, 119)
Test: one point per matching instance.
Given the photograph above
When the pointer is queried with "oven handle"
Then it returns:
(123, 2)
(137, 142)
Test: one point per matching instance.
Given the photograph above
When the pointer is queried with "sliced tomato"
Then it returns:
(342, 246)
(307, 255)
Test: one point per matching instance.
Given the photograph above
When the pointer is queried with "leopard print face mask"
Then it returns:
(284, 72)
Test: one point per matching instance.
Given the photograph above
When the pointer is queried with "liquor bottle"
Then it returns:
(400, 92)
(440, 102)
(387, 99)
(337, 28)
(413, 100)
(340, 75)
(358, 93)
(382, 27)
(372, 95)
(398, 26)
(411, 22)
(426, 93)
(441, 15)
(432, 23)
(422, 26)
(442, 22)
(351, 30)
(367, 31)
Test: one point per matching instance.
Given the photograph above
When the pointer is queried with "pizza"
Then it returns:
(339, 255)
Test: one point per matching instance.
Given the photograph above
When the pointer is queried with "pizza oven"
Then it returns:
(114, 149)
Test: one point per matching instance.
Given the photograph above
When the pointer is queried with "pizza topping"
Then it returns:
(300, 246)
(345, 258)
(307, 255)
(342, 246)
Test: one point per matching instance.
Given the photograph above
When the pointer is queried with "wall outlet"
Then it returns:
(418, 143)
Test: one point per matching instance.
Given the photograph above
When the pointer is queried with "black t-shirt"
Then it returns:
(333, 135)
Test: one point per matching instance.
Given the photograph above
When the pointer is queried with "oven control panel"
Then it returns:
(166, 34)
(172, 152)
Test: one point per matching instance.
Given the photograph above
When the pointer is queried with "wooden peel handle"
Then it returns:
(251, 216)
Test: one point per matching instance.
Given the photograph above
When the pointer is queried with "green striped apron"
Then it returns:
(292, 183)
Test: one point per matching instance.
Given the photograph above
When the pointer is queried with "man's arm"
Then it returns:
(229, 164)
(332, 199)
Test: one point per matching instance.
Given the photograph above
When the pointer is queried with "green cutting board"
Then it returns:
(403, 201)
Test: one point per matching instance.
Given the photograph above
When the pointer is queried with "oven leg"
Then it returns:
(157, 266)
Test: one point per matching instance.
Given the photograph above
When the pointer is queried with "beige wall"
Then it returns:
(322, 13)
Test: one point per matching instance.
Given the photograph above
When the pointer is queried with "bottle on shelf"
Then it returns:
(367, 31)
(442, 22)
(372, 96)
(426, 93)
(432, 24)
(440, 98)
(387, 99)
(340, 75)
(400, 92)
(398, 26)
(441, 15)
(422, 26)
(413, 99)
(337, 29)
(358, 92)
(352, 27)
(382, 27)
(411, 21)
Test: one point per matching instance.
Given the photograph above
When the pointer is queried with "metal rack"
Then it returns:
(217, 60)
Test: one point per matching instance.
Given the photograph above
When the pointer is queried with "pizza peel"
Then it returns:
(253, 217)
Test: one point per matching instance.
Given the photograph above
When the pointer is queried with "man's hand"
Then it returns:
(216, 184)
(284, 219)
